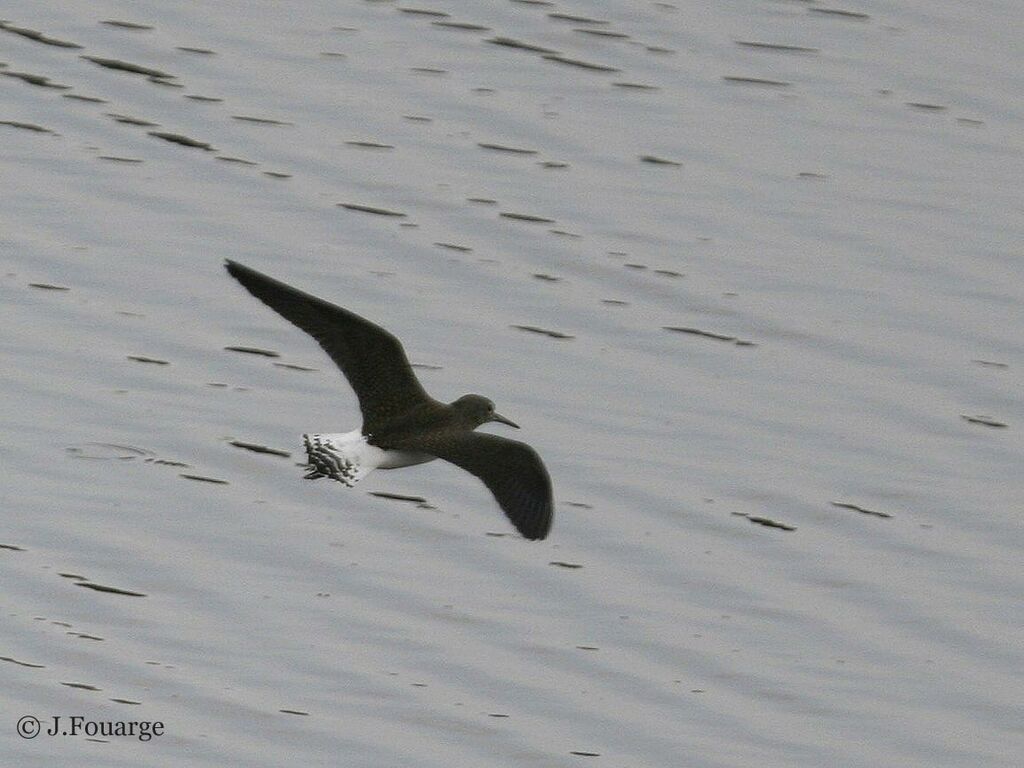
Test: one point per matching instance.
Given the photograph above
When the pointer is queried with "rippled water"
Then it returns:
(747, 274)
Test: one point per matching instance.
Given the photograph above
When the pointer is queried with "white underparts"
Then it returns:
(348, 457)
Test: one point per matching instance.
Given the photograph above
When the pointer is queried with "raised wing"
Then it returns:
(511, 470)
(372, 359)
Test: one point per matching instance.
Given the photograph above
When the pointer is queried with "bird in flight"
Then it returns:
(402, 424)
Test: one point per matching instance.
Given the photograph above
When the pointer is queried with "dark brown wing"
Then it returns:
(511, 470)
(372, 359)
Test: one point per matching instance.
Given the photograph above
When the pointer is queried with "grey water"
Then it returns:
(747, 274)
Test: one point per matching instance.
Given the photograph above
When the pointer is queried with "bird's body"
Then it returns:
(402, 424)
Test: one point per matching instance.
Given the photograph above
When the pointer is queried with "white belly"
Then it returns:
(396, 459)
(347, 457)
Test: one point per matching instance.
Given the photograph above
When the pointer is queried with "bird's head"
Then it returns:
(476, 410)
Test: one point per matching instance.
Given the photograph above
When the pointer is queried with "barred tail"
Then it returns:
(346, 457)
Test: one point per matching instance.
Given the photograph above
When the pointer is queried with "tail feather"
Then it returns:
(347, 457)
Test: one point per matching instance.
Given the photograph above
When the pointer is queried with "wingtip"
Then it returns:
(236, 270)
(541, 531)
(533, 521)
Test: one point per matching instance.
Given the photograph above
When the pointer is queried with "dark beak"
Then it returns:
(503, 420)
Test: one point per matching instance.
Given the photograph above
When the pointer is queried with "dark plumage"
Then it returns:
(399, 417)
